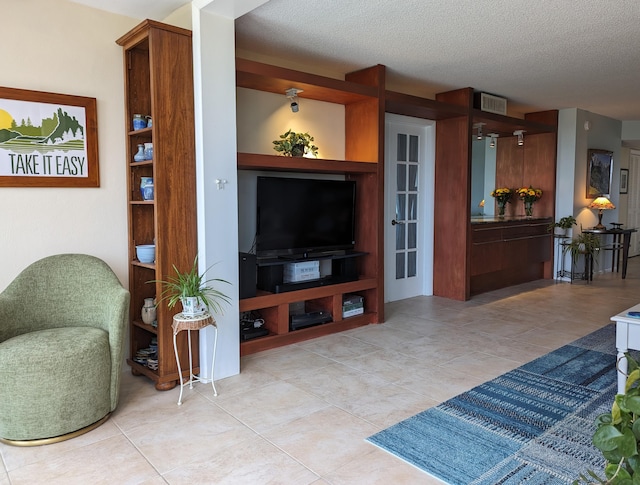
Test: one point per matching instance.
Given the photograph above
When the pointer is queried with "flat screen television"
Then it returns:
(302, 217)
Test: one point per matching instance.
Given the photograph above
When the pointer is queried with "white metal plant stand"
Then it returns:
(183, 322)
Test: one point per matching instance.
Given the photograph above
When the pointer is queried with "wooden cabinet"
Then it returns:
(159, 83)
(509, 252)
(362, 94)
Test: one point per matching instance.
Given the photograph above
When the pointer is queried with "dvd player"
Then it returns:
(310, 319)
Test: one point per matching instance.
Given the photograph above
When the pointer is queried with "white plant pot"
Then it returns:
(192, 306)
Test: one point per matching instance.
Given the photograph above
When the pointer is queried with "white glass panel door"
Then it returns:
(405, 211)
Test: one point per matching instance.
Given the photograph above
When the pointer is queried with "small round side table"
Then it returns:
(183, 322)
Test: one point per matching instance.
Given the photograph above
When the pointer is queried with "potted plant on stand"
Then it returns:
(292, 144)
(193, 291)
(564, 224)
(587, 244)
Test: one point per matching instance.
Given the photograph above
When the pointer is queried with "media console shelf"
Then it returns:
(362, 95)
(271, 272)
(274, 309)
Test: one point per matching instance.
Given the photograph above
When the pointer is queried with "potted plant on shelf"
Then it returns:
(193, 291)
(563, 224)
(617, 436)
(292, 144)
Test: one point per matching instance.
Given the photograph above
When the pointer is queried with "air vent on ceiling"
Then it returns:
(491, 103)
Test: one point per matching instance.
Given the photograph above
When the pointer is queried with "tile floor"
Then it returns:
(300, 414)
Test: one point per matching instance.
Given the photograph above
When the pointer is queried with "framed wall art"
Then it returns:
(624, 180)
(599, 171)
(47, 140)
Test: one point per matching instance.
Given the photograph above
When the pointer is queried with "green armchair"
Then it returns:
(62, 327)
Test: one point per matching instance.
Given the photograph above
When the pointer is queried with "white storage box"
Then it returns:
(301, 271)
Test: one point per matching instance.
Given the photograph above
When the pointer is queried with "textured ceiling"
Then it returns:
(548, 54)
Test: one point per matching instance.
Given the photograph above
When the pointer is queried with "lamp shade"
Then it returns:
(601, 203)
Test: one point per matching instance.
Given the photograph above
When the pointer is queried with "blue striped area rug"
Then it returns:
(531, 425)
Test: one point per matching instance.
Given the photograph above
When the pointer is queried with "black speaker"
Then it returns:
(247, 273)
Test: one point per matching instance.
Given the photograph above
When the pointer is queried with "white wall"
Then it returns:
(573, 142)
(215, 126)
(62, 47)
(262, 117)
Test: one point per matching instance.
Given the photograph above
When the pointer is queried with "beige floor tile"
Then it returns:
(380, 468)
(247, 463)
(192, 434)
(324, 440)
(390, 365)
(367, 396)
(551, 338)
(156, 406)
(271, 405)
(285, 362)
(384, 336)
(482, 365)
(114, 460)
(438, 383)
(517, 350)
(15, 457)
(338, 346)
(250, 377)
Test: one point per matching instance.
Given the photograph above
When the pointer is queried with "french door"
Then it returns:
(409, 179)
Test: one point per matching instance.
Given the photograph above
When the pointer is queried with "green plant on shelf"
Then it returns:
(292, 144)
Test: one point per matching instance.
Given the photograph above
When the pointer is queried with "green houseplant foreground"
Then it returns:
(191, 284)
(617, 436)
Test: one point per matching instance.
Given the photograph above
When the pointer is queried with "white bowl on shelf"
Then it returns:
(146, 253)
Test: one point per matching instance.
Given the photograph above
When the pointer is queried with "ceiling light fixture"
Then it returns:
(493, 137)
(520, 135)
(478, 127)
(292, 96)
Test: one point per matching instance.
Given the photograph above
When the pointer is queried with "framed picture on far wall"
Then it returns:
(599, 170)
(624, 180)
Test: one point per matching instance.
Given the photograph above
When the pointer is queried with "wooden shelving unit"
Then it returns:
(159, 82)
(362, 94)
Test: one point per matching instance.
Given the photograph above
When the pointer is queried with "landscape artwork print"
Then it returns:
(47, 140)
(599, 170)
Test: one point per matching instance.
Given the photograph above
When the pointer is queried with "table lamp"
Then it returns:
(601, 203)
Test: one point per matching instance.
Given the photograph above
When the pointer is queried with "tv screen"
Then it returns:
(299, 217)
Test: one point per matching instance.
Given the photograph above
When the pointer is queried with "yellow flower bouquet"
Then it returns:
(529, 195)
(502, 195)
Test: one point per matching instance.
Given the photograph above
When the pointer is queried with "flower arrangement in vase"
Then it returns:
(502, 196)
(529, 195)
